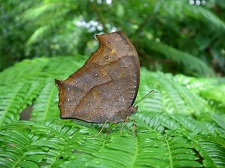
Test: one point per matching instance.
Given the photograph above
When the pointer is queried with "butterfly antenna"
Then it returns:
(148, 94)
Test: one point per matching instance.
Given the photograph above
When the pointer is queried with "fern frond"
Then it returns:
(44, 31)
(174, 97)
(189, 123)
(48, 16)
(32, 143)
(181, 9)
(60, 142)
(181, 151)
(220, 120)
(23, 69)
(175, 126)
(192, 64)
(13, 101)
(45, 106)
(30, 82)
(210, 89)
(213, 153)
(218, 138)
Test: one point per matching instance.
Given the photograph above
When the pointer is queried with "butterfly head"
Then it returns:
(123, 114)
(133, 109)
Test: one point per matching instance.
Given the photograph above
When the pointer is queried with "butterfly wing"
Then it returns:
(106, 85)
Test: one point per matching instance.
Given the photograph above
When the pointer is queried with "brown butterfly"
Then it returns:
(105, 87)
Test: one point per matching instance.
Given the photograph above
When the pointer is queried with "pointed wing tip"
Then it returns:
(58, 83)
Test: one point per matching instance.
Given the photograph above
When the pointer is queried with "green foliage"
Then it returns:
(190, 62)
(168, 35)
(13, 33)
(180, 126)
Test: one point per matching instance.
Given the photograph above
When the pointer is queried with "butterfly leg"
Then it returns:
(101, 128)
(110, 127)
(121, 131)
(134, 127)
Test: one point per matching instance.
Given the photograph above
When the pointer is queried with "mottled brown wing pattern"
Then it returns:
(106, 86)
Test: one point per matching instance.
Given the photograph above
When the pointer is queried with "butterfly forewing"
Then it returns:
(105, 86)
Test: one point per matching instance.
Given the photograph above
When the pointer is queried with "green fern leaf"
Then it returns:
(175, 127)
(190, 62)
(12, 102)
(213, 153)
(45, 106)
